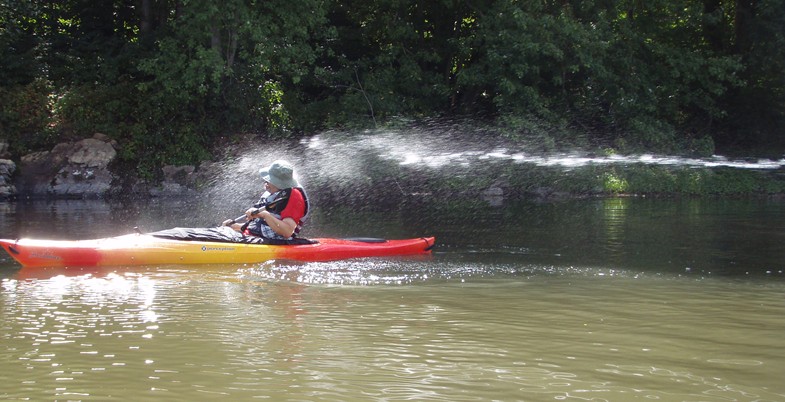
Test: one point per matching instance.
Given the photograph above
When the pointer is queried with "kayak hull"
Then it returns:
(140, 249)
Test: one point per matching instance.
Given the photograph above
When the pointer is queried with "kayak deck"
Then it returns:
(140, 249)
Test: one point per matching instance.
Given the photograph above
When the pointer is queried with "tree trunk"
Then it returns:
(745, 14)
(145, 24)
(713, 25)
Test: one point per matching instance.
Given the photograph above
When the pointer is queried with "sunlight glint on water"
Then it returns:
(616, 299)
(184, 334)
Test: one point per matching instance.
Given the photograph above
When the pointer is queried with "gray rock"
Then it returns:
(178, 181)
(7, 188)
(4, 154)
(82, 170)
(69, 170)
(92, 153)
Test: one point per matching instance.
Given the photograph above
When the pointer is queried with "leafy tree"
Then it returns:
(756, 111)
(170, 79)
(25, 113)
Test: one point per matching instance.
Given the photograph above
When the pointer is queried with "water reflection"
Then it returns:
(60, 329)
(611, 299)
(615, 219)
(676, 236)
(505, 333)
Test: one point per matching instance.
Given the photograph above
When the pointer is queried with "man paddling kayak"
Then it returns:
(279, 214)
(281, 209)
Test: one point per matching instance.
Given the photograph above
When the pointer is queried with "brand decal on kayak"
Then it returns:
(46, 256)
(205, 248)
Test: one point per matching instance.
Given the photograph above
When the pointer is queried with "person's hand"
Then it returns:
(227, 222)
(251, 212)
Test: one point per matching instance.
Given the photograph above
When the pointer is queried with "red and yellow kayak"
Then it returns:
(141, 249)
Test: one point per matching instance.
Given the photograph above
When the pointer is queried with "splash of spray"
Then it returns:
(345, 165)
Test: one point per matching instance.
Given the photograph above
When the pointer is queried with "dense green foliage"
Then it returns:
(171, 79)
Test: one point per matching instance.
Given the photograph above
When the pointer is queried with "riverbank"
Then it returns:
(389, 167)
(509, 182)
(446, 167)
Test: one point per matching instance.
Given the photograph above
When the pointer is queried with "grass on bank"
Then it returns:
(530, 181)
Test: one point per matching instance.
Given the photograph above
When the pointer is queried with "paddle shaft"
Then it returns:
(266, 206)
(244, 217)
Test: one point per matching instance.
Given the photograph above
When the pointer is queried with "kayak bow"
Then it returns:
(140, 249)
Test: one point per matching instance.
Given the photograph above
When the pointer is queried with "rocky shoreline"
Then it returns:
(88, 168)
(83, 169)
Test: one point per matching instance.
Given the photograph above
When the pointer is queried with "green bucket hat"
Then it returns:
(280, 174)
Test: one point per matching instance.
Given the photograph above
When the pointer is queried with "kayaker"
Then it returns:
(283, 206)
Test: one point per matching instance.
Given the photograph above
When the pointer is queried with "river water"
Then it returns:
(602, 299)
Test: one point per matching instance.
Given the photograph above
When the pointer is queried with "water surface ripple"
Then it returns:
(601, 300)
(183, 334)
